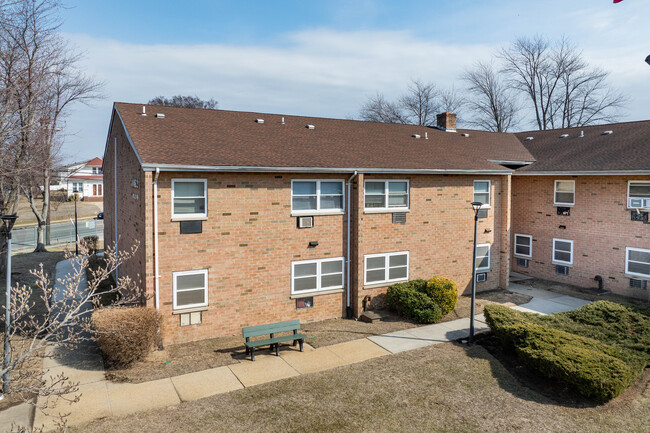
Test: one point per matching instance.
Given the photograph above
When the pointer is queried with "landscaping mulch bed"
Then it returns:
(185, 358)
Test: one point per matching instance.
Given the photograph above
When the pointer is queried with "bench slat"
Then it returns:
(269, 341)
(271, 328)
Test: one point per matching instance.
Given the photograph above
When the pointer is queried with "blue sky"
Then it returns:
(324, 58)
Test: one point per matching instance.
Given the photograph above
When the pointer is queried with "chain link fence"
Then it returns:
(24, 238)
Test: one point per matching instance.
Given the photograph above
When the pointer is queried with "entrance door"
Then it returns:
(99, 189)
(94, 189)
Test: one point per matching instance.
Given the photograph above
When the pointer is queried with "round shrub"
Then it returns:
(125, 334)
(410, 303)
(444, 292)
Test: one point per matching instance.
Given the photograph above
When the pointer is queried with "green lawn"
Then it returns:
(442, 388)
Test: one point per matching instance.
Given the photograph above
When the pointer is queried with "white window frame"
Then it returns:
(174, 290)
(205, 197)
(387, 208)
(629, 199)
(562, 262)
(529, 256)
(318, 210)
(557, 203)
(489, 257)
(318, 275)
(487, 205)
(627, 263)
(387, 256)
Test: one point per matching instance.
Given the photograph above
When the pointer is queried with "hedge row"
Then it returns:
(596, 370)
(423, 301)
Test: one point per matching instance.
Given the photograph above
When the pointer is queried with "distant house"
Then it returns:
(85, 179)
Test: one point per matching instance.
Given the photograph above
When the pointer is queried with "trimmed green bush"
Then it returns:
(443, 292)
(595, 369)
(411, 303)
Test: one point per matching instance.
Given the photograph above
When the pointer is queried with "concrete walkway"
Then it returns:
(101, 398)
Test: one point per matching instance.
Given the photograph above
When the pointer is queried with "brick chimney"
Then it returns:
(447, 121)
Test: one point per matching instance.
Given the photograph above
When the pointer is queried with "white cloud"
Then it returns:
(318, 72)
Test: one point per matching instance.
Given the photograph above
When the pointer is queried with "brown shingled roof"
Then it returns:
(626, 149)
(187, 136)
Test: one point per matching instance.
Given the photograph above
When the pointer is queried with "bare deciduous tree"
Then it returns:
(378, 109)
(185, 102)
(61, 321)
(561, 87)
(492, 103)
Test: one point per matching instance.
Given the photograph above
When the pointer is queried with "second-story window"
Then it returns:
(189, 198)
(638, 195)
(565, 192)
(386, 195)
(316, 196)
(482, 192)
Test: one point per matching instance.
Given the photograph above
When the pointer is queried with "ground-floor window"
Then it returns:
(483, 257)
(387, 267)
(524, 246)
(190, 289)
(562, 251)
(637, 262)
(316, 275)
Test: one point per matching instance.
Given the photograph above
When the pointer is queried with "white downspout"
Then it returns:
(348, 258)
(115, 202)
(155, 237)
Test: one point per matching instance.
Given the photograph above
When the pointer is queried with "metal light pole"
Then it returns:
(8, 223)
(476, 206)
(76, 235)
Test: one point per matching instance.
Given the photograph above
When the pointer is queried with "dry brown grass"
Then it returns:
(217, 352)
(61, 210)
(442, 388)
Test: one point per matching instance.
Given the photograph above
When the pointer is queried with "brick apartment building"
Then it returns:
(248, 218)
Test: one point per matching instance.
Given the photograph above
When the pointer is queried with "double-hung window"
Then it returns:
(637, 262)
(482, 257)
(638, 194)
(562, 252)
(524, 246)
(386, 195)
(308, 276)
(482, 192)
(317, 196)
(190, 289)
(386, 268)
(564, 193)
(189, 198)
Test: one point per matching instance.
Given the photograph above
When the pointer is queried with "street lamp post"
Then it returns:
(8, 223)
(476, 206)
(76, 234)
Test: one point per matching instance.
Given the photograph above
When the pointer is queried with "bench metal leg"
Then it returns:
(301, 341)
(252, 354)
(277, 349)
(295, 331)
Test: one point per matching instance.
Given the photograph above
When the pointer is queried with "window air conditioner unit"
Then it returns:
(305, 222)
(638, 203)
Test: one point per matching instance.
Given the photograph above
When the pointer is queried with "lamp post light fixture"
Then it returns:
(476, 206)
(8, 223)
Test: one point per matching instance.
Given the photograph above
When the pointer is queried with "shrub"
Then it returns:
(444, 292)
(125, 335)
(91, 243)
(410, 303)
(596, 370)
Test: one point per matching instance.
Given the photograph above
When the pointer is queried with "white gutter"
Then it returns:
(349, 260)
(253, 169)
(583, 173)
(155, 237)
(115, 202)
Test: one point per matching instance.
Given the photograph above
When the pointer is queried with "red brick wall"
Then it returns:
(599, 225)
(131, 224)
(438, 232)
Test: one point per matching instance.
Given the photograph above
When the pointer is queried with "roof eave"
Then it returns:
(582, 173)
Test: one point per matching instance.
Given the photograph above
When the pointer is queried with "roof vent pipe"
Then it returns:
(564, 135)
(529, 138)
(415, 135)
(144, 111)
(282, 122)
(259, 120)
(465, 134)
(582, 134)
(426, 135)
(311, 127)
(160, 115)
(608, 132)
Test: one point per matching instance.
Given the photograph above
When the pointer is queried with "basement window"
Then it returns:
(637, 262)
(386, 268)
(564, 193)
(189, 198)
(386, 195)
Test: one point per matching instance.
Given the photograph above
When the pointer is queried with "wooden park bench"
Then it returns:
(273, 342)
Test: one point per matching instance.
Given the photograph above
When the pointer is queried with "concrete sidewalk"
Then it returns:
(101, 398)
